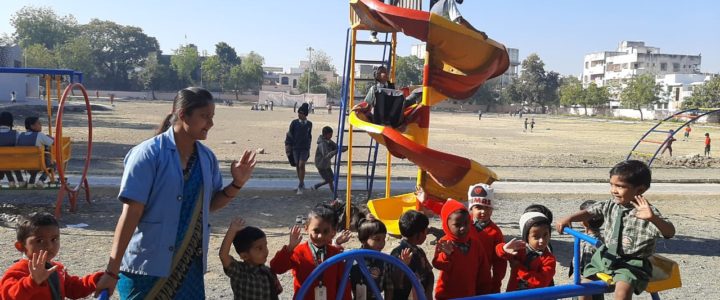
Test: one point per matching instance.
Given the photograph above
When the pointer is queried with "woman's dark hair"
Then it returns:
(6, 119)
(369, 227)
(634, 172)
(27, 225)
(325, 213)
(412, 222)
(29, 121)
(246, 237)
(188, 99)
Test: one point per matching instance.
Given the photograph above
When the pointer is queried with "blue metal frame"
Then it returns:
(652, 159)
(41, 71)
(359, 256)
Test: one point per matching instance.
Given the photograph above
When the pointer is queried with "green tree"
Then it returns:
(226, 54)
(316, 83)
(640, 92)
(252, 71)
(572, 92)
(488, 94)
(76, 54)
(40, 25)
(334, 90)
(117, 51)
(705, 95)
(595, 96)
(156, 75)
(212, 72)
(322, 62)
(185, 62)
(37, 56)
(408, 71)
(536, 86)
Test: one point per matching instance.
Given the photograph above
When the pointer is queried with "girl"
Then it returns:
(170, 184)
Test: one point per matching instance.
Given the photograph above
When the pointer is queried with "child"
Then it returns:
(249, 278)
(463, 265)
(532, 124)
(372, 234)
(526, 124)
(302, 258)
(687, 133)
(297, 142)
(532, 264)
(36, 276)
(668, 143)
(631, 230)
(592, 229)
(481, 198)
(326, 149)
(8, 137)
(707, 144)
(413, 227)
(34, 137)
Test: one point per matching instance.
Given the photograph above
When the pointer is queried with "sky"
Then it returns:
(561, 32)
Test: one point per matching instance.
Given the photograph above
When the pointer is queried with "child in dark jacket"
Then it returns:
(460, 258)
(326, 149)
(532, 264)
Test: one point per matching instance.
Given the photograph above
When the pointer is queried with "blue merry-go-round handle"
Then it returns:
(359, 256)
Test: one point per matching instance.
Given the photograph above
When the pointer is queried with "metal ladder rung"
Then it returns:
(359, 162)
(663, 131)
(379, 43)
(654, 142)
(643, 153)
(365, 79)
(362, 147)
(370, 62)
(355, 130)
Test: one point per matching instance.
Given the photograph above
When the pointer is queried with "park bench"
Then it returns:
(32, 158)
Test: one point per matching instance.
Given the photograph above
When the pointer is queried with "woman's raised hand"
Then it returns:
(242, 170)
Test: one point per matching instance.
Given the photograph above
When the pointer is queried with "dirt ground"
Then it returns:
(559, 149)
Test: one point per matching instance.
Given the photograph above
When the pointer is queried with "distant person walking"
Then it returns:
(686, 136)
(12, 97)
(271, 105)
(295, 107)
(479, 114)
(532, 124)
(526, 124)
(668, 144)
(329, 107)
(707, 144)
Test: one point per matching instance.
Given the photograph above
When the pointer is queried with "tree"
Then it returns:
(117, 51)
(572, 92)
(185, 62)
(37, 56)
(322, 62)
(40, 25)
(212, 72)
(315, 83)
(595, 96)
(334, 89)
(706, 95)
(156, 75)
(226, 55)
(488, 94)
(640, 92)
(248, 75)
(535, 86)
(408, 71)
(76, 54)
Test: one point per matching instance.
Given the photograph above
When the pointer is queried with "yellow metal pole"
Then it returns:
(57, 87)
(388, 158)
(425, 100)
(48, 90)
(351, 98)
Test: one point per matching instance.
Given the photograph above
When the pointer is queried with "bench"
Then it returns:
(31, 158)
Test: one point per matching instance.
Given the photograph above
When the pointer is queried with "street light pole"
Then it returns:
(310, 50)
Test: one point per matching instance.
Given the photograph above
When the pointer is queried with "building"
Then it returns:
(615, 68)
(676, 88)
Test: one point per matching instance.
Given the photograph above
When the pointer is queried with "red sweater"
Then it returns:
(490, 237)
(540, 273)
(17, 283)
(302, 263)
(461, 274)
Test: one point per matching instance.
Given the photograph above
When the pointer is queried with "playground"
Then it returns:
(543, 156)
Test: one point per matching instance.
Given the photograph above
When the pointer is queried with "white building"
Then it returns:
(676, 88)
(615, 68)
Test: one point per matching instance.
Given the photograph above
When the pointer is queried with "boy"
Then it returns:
(532, 264)
(463, 265)
(249, 278)
(302, 258)
(707, 144)
(526, 124)
(631, 230)
(297, 142)
(34, 137)
(687, 133)
(481, 198)
(668, 143)
(36, 276)
(413, 228)
(326, 149)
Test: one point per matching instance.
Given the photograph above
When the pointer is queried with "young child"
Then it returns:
(526, 124)
(372, 234)
(34, 137)
(36, 275)
(668, 144)
(249, 278)
(413, 228)
(463, 265)
(8, 137)
(326, 149)
(631, 229)
(302, 258)
(707, 144)
(532, 124)
(481, 198)
(532, 265)
(686, 136)
(297, 142)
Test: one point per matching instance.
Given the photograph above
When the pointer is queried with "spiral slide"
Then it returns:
(459, 60)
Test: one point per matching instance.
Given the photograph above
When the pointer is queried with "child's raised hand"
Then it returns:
(420, 194)
(445, 246)
(513, 246)
(236, 225)
(38, 273)
(242, 170)
(295, 237)
(406, 256)
(343, 237)
(642, 208)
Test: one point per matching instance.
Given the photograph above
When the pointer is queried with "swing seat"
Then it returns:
(665, 275)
